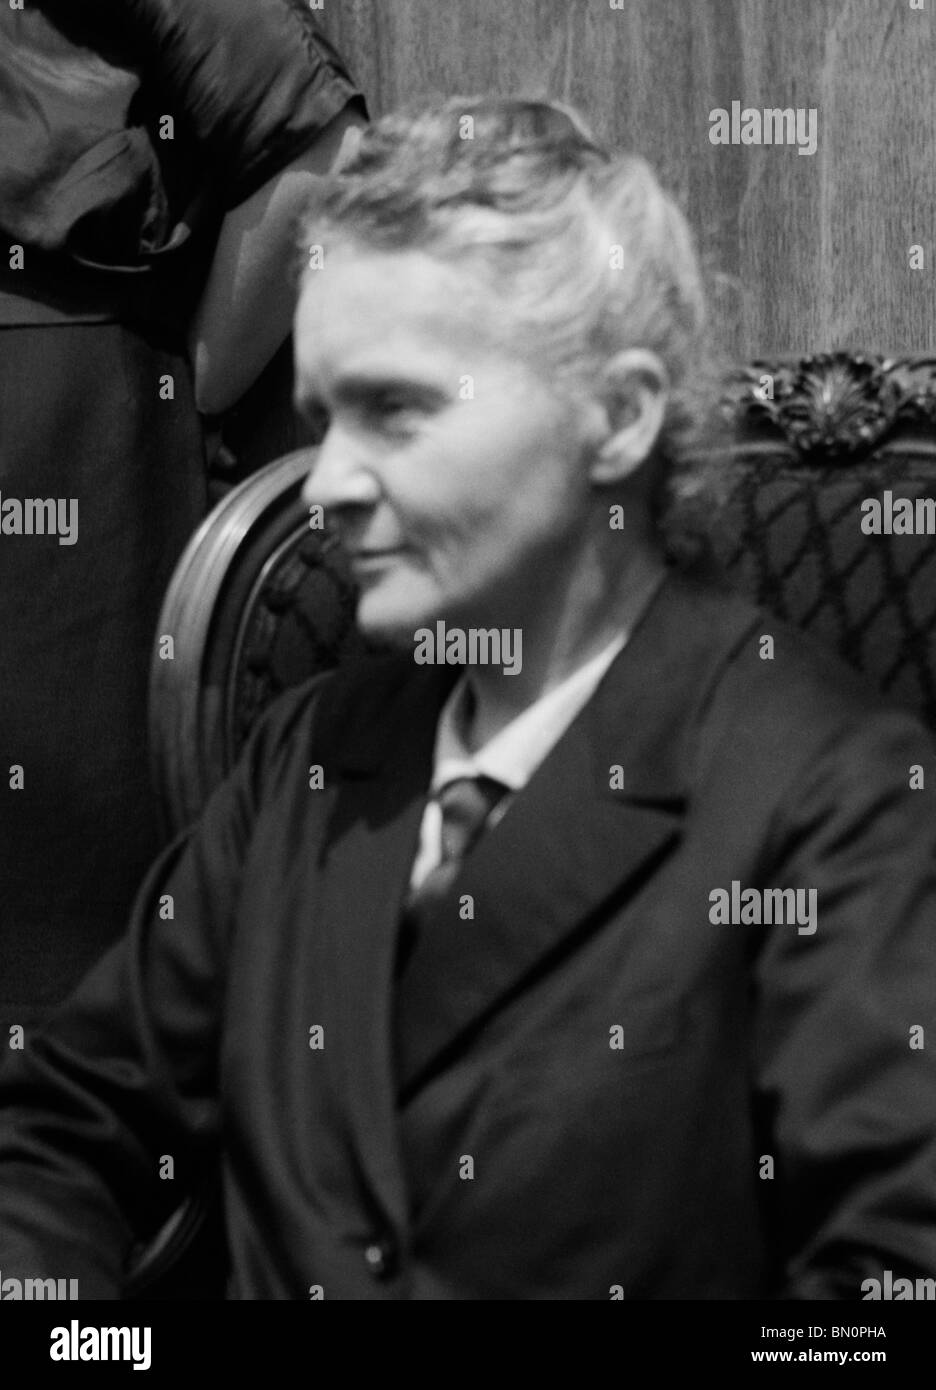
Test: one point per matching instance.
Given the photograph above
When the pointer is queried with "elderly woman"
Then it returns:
(443, 983)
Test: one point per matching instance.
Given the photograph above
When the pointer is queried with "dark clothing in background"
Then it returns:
(117, 227)
(80, 416)
(636, 1166)
(249, 85)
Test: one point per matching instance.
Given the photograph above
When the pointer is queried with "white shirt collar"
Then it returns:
(514, 754)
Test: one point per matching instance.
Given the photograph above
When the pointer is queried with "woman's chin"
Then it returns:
(389, 624)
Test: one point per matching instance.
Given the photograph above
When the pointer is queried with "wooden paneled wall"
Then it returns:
(816, 248)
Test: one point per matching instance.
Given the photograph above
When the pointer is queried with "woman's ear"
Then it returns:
(634, 391)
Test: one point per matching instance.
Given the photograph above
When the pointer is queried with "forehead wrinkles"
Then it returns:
(389, 304)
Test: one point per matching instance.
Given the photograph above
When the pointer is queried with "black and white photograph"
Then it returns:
(468, 666)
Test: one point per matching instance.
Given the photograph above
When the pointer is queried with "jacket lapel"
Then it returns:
(573, 842)
(369, 849)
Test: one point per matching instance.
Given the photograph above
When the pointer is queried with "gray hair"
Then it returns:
(583, 248)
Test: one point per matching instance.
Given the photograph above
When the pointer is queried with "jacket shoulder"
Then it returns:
(779, 696)
(360, 694)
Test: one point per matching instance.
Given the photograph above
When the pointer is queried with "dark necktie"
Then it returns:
(466, 805)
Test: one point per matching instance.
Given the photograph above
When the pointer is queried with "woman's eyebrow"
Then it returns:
(363, 387)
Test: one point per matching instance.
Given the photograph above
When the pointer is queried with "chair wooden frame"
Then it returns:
(190, 713)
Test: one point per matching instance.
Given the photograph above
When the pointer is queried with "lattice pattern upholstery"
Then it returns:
(791, 539)
(301, 624)
(788, 531)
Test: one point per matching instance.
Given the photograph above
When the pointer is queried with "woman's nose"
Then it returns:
(339, 476)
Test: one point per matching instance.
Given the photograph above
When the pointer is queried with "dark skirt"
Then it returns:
(81, 417)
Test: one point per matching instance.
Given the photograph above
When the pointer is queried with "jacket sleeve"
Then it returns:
(846, 1015)
(256, 81)
(125, 1074)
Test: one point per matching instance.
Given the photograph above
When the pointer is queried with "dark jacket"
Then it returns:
(575, 1091)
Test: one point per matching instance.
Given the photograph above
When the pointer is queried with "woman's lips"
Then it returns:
(364, 558)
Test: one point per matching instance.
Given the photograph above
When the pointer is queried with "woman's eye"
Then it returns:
(317, 420)
(395, 413)
(394, 405)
